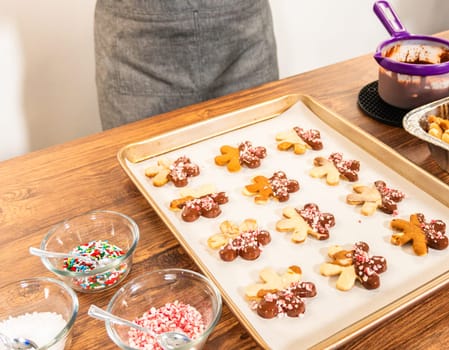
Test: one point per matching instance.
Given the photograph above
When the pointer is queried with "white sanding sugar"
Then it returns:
(40, 327)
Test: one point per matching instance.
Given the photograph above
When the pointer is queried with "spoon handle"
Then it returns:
(100, 314)
(41, 252)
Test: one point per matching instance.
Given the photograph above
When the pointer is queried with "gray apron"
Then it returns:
(153, 56)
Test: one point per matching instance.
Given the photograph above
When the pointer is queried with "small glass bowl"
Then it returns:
(106, 230)
(27, 302)
(158, 288)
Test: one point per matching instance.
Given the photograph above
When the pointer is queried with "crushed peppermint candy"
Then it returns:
(172, 317)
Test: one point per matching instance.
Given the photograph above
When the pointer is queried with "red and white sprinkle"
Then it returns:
(175, 316)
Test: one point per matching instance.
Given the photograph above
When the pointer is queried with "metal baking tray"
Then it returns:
(332, 317)
(415, 123)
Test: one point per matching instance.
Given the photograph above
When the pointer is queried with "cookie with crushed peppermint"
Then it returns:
(279, 295)
(354, 265)
(246, 240)
(178, 171)
(299, 139)
(277, 187)
(309, 220)
(421, 233)
(245, 154)
(377, 196)
(335, 167)
(196, 202)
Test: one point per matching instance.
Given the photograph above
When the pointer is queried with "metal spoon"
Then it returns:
(87, 259)
(18, 343)
(168, 340)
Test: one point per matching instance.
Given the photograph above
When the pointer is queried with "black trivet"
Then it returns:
(371, 103)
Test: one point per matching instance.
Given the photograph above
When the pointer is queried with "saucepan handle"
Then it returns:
(389, 19)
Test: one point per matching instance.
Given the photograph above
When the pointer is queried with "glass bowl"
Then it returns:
(109, 238)
(40, 309)
(176, 293)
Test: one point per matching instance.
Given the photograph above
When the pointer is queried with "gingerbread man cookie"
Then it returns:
(245, 154)
(299, 139)
(177, 172)
(334, 168)
(376, 196)
(354, 265)
(245, 240)
(277, 187)
(279, 295)
(272, 281)
(422, 234)
(306, 221)
(202, 202)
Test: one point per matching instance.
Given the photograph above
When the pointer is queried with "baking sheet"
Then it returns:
(332, 317)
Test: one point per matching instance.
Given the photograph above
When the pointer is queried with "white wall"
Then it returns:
(47, 83)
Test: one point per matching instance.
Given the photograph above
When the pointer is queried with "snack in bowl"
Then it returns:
(299, 139)
(335, 167)
(377, 196)
(354, 265)
(203, 201)
(167, 300)
(102, 244)
(177, 172)
(438, 127)
(245, 154)
(276, 187)
(306, 221)
(280, 294)
(423, 234)
(245, 240)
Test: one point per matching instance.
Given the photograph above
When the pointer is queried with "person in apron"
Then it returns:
(153, 56)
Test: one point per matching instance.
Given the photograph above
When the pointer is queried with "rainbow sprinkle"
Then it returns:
(101, 253)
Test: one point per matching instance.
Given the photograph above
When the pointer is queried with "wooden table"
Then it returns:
(42, 188)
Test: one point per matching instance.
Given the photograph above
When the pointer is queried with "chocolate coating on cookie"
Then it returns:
(312, 137)
(181, 169)
(347, 168)
(250, 155)
(318, 221)
(435, 232)
(390, 197)
(247, 245)
(207, 206)
(368, 268)
(282, 186)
